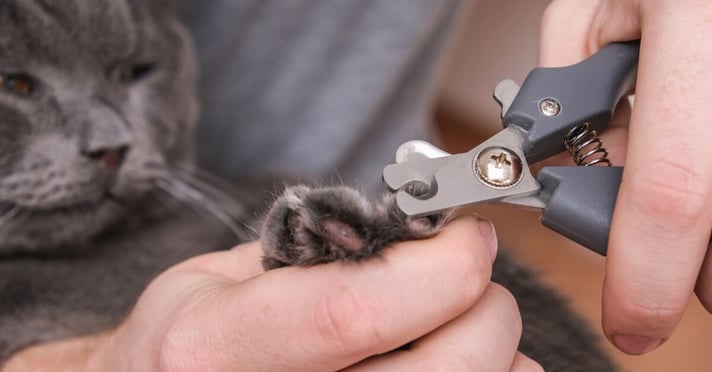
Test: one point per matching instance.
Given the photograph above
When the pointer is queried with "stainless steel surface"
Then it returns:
(416, 149)
(585, 147)
(454, 181)
(549, 107)
(505, 92)
(498, 167)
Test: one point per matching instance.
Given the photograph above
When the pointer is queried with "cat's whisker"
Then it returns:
(166, 199)
(195, 173)
(337, 179)
(201, 180)
(208, 184)
(197, 200)
(9, 215)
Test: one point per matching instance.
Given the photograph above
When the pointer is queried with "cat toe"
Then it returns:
(422, 227)
(308, 226)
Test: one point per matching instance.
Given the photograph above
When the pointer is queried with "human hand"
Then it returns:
(658, 250)
(220, 312)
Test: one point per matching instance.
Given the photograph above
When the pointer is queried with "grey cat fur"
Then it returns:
(80, 237)
(75, 51)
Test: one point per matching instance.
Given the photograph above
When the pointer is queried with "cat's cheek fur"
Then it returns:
(71, 49)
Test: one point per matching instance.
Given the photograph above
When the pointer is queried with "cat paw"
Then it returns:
(308, 226)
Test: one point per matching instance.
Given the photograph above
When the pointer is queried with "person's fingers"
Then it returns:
(485, 338)
(662, 219)
(523, 363)
(563, 33)
(330, 316)
(238, 264)
(572, 30)
(614, 21)
(661, 224)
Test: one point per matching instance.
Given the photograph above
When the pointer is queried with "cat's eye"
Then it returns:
(132, 73)
(19, 84)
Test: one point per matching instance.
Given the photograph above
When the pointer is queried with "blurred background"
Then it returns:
(500, 41)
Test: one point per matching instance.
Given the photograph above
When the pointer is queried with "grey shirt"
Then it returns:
(315, 88)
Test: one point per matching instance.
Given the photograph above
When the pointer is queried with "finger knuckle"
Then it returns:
(345, 319)
(671, 192)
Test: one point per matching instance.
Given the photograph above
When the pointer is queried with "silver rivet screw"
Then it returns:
(549, 107)
(498, 167)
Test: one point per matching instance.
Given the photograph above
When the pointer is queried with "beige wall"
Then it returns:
(499, 41)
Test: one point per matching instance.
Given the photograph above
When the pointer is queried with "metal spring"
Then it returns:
(585, 147)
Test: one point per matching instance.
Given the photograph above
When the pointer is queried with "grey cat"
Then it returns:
(99, 192)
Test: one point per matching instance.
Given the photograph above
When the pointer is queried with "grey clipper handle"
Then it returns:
(579, 202)
(552, 101)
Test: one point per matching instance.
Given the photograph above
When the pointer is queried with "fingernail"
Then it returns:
(635, 345)
(489, 235)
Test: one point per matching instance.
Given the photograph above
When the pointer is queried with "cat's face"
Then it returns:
(96, 99)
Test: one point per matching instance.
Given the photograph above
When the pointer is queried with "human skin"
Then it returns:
(221, 312)
(658, 252)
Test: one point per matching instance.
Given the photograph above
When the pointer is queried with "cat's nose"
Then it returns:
(104, 134)
(110, 158)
